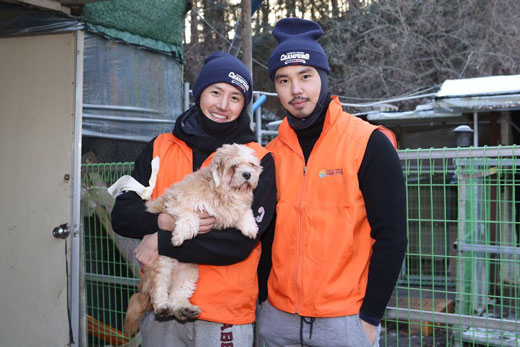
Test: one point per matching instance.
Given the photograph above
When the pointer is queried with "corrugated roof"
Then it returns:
(455, 97)
(480, 86)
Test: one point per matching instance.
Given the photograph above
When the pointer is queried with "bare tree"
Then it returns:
(398, 47)
(211, 21)
(385, 48)
(194, 23)
(264, 9)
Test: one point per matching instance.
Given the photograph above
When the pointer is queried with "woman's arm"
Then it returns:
(129, 215)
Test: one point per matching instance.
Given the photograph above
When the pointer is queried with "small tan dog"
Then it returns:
(225, 191)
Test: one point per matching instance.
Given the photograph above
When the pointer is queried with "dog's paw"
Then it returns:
(163, 310)
(177, 238)
(250, 231)
(187, 312)
(183, 232)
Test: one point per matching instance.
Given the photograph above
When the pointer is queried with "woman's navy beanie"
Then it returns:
(222, 67)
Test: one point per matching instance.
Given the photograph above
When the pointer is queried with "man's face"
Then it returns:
(221, 102)
(298, 88)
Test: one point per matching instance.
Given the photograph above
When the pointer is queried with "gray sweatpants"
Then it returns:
(277, 328)
(198, 333)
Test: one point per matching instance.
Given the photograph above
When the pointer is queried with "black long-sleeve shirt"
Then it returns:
(217, 247)
(386, 212)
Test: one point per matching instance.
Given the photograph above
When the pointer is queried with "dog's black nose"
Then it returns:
(246, 175)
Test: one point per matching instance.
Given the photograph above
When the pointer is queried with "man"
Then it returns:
(340, 234)
(227, 287)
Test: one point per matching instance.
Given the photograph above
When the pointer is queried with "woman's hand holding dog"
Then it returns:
(207, 222)
(167, 222)
(147, 252)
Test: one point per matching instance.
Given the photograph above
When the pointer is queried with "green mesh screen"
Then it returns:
(156, 24)
(460, 281)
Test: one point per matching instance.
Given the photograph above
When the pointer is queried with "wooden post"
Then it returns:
(247, 46)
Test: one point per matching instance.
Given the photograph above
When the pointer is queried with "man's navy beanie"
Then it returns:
(223, 67)
(297, 45)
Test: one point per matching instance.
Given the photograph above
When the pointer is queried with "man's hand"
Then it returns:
(147, 252)
(370, 331)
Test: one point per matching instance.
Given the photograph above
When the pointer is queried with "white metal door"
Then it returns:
(37, 111)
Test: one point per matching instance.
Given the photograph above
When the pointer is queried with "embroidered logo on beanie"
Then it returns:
(295, 57)
(239, 81)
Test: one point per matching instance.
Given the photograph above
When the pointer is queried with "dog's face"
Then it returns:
(235, 166)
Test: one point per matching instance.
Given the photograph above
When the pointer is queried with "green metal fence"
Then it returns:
(110, 270)
(460, 281)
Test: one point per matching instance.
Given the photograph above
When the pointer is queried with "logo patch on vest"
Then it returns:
(334, 172)
(239, 81)
(295, 58)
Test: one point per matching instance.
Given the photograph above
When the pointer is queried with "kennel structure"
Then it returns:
(460, 282)
(488, 246)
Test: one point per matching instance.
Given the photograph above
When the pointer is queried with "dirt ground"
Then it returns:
(391, 338)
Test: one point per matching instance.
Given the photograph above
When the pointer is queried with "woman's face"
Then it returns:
(221, 102)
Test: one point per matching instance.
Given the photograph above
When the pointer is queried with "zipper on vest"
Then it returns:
(300, 241)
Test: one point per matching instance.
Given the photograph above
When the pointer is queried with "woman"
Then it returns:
(227, 288)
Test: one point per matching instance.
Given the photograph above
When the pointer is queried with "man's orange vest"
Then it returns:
(225, 294)
(322, 243)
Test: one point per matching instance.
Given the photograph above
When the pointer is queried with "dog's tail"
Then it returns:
(137, 306)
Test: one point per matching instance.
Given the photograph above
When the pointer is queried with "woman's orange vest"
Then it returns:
(225, 294)
(322, 243)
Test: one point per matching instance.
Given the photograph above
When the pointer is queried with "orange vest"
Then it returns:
(225, 294)
(322, 243)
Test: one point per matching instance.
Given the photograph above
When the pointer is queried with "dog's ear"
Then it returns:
(214, 168)
(215, 175)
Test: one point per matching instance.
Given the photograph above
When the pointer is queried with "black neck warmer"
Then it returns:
(204, 135)
(307, 137)
(323, 101)
(214, 128)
